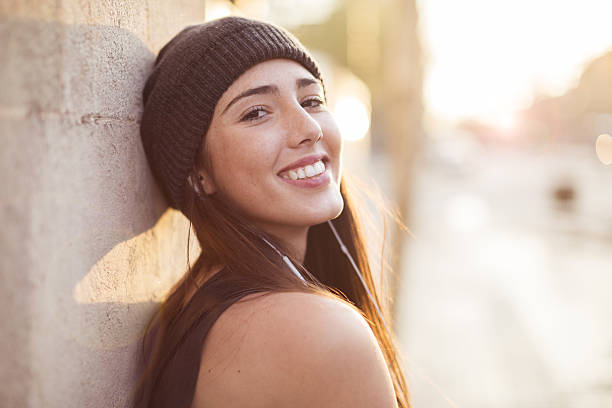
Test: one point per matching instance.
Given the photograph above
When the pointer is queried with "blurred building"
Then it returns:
(579, 115)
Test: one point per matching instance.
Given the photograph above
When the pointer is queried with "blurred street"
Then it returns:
(505, 297)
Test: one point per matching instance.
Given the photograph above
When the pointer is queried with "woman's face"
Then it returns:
(275, 149)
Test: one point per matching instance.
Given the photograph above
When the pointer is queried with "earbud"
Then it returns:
(195, 184)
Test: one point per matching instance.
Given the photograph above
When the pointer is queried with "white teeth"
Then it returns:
(319, 167)
(310, 170)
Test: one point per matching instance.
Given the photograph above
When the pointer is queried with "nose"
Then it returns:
(303, 129)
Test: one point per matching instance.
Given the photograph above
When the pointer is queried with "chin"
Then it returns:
(330, 213)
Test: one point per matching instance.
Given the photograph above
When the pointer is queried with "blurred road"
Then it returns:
(506, 294)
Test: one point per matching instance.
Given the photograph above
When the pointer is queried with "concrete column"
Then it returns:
(87, 245)
(401, 96)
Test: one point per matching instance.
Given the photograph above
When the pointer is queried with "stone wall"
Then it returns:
(87, 244)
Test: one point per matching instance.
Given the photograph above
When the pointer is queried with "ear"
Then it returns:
(206, 182)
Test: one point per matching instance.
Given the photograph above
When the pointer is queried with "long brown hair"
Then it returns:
(172, 346)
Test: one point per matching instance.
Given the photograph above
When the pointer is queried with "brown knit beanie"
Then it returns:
(191, 73)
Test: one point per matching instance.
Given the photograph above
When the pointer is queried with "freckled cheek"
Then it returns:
(246, 162)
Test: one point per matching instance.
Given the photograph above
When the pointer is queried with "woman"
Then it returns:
(237, 133)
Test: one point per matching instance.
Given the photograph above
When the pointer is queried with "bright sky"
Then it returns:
(486, 58)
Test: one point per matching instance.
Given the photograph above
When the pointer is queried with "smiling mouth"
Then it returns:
(305, 172)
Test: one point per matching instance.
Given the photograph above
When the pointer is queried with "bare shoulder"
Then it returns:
(292, 349)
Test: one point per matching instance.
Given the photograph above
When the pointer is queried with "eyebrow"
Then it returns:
(270, 89)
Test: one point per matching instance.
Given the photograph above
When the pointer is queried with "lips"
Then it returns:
(310, 170)
(316, 164)
(310, 159)
(318, 181)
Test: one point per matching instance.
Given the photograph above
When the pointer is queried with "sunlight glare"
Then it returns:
(217, 9)
(486, 57)
(353, 117)
(504, 121)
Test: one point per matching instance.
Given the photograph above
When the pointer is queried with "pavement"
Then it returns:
(505, 297)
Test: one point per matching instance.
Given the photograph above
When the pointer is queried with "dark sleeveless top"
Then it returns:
(175, 387)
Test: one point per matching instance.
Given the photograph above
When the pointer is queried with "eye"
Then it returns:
(313, 102)
(253, 114)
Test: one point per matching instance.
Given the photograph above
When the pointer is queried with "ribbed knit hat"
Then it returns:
(191, 74)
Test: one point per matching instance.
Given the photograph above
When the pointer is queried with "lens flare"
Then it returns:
(353, 117)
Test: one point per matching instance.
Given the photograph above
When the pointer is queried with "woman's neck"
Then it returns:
(294, 239)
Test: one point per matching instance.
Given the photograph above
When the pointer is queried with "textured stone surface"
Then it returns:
(87, 245)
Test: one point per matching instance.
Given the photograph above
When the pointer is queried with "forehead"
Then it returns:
(280, 72)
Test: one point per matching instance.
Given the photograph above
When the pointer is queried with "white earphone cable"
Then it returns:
(346, 252)
(286, 260)
(356, 269)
